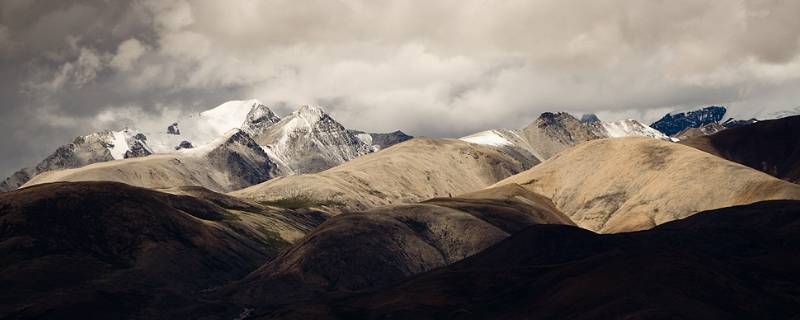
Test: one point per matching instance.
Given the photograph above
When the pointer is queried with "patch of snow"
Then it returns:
(490, 137)
(120, 142)
(229, 115)
(366, 138)
(631, 128)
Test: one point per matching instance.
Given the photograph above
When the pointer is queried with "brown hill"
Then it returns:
(415, 170)
(732, 263)
(109, 250)
(387, 244)
(626, 184)
(771, 146)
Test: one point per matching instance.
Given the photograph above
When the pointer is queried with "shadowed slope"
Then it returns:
(733, 263)
(387, 244)
(771, 146)
(109, 250)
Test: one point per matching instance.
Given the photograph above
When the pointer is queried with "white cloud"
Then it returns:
(128, 53)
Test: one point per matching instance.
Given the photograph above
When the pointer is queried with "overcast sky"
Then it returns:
(438, 68)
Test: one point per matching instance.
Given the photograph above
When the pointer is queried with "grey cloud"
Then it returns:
(440, 68)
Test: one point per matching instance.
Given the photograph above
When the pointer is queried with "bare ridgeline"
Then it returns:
(238, 213)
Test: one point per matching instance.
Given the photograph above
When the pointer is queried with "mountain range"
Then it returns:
(237, 213)
(308, 140)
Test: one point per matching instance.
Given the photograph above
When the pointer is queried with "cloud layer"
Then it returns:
(440, 68)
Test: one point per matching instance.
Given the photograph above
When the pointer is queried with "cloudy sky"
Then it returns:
(438, 68)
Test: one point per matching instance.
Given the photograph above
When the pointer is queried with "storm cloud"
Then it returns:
(439, 68)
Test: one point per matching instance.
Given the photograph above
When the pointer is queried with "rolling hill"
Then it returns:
(627, 184)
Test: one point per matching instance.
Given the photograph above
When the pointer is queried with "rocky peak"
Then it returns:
(673, 123)
(590, 118)
(556, 119)
(259, 117)
(245, 162)
(137, 149)
(311, 113)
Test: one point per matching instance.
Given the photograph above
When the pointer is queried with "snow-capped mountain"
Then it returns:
(230, 162)
(673, 123)
(309, 140)
(553, 132)
(201, 128)
(84, 150)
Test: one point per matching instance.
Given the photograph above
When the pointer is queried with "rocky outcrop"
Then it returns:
(173, 129)
(674, 123)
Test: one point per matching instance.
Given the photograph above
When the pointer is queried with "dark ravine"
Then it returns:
(771, 146)
(733, 263)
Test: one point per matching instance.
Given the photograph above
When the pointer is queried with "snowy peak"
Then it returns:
(553, 132)
(629, 128)
(311, 113)
(259, 118)
(231, 114)
(310, 140)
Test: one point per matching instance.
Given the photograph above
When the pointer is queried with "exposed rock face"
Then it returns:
(137, 149)
(732, 263)
(704, 130)
(589, 118)
(173, 129)
(553, 132)
(259, 119)
(17, 179)
(242, 160)
(674, 123)
(628, 184)
(309, 140)
(184, 145)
